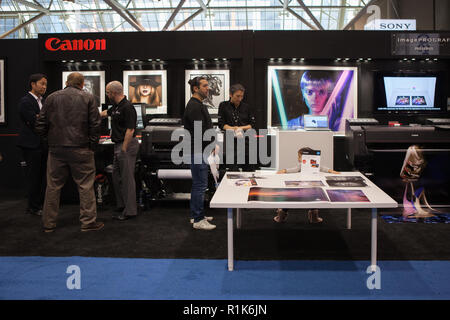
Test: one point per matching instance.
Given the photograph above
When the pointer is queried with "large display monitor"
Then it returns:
(294, 91)
(414, 93)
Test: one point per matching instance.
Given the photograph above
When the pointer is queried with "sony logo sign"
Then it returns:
(56, 44)
(391, 25)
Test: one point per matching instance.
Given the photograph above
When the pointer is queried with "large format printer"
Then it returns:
(365, 136)
(380, 152)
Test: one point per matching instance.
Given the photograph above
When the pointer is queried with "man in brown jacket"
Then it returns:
(70, 121)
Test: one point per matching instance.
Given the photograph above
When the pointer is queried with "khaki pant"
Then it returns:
(124, 165)
(80, 163)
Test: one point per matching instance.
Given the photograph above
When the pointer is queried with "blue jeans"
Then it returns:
(199, 174)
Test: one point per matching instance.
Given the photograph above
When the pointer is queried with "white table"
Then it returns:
(232, 197)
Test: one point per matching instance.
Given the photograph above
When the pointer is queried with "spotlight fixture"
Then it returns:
(150, 60)
(338, 59)
(272, 59)
(92, 60)
(302, 59)
(158, 60)
(413, 59)
(216, 59)
(435, 59)
(280, 59)
(294, 59)
(369, 59)
(72, 61)
(346, 59)
(405, 59)
(128, 60)
(64, 61)
(224, 59)
(427, 59)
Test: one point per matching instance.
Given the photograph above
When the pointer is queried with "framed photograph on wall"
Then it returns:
(294, 91)
(219, 87)
(148, 87)
(2, 92)
(94, 82)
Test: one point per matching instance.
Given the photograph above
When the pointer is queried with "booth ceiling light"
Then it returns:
(272, 59)
(128, 60)
(216, 59)
(224, 59)
(63, 61)
(92, 60)
(302, 59)
(368, 59)
(201, 59)
(435, 59)
(346, 59)
(72, 61)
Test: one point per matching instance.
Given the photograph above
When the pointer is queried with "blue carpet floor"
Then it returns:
(166, 279)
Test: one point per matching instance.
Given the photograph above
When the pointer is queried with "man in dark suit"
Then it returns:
(33, 149)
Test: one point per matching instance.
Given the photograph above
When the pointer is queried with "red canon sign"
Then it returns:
(55, 44)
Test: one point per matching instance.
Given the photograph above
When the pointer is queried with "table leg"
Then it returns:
(238, 218)
(373, 259)
(230, 239)
(349, 218)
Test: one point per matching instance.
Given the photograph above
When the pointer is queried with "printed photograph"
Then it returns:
(94, 83)
(339, 195)
(148, 87)
(294, 91)
(219, 87)
(304, 184)
(286, 194)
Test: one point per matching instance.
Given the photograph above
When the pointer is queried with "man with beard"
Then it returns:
(197, 113)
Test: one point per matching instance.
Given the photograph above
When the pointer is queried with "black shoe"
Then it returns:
(36, 212)
(123, 217)
(94, 226)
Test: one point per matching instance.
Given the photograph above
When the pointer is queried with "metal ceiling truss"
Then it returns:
(132, 14)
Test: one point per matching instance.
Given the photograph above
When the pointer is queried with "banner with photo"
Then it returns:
(2, 92)
(219, 87)
(294, 91)
(148, 87)
(94, 83)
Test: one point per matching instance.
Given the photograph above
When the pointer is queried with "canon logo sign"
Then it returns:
(55, 44)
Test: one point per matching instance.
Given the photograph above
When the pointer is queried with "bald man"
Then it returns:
(126, 146)
(71, 122)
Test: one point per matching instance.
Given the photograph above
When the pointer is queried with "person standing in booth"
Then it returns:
(70, 121)
(237, 116)
(196, 113)
(34, 149)
(126, 147)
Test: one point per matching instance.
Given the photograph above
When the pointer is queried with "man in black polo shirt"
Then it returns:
(126, 146)
(237, 116)
(196, 113)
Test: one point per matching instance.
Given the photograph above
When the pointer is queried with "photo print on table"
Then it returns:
(339, 195)
(287, 194)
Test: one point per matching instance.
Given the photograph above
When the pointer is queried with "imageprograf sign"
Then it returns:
(420, 44)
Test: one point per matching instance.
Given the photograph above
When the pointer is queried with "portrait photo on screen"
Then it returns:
(294, 91)
(94, 83)
(2, 92)
(148, 87)
(219, 86)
